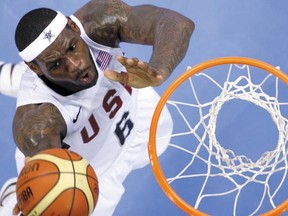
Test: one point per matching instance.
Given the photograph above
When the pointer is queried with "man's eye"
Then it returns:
(71, 48)
(55, 65)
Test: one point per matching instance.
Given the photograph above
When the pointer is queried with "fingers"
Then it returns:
(139, 74)
(132, 61)
(114, 76)
(128, 61)
(16, 210)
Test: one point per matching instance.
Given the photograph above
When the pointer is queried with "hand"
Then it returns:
(16, 210)
(139, 74)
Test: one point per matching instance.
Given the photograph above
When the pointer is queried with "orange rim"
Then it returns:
(156, 168)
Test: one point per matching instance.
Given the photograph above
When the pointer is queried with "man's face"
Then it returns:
(67, 62)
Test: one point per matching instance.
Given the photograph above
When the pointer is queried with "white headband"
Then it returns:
(47, 37)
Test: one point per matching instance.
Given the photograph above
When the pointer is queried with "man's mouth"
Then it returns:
(86, 77)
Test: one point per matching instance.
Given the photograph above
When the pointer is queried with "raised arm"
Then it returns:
(38, 127)
(168, 31)
(110, 22)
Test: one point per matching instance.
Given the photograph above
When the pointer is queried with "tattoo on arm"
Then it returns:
(110, 22)
(102, 20)
(170, 44)
(168, 31)
(38, 127)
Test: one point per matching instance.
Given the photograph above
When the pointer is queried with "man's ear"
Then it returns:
(73, 25)
(34, 67)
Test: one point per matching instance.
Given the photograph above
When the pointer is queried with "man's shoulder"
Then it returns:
(103, 7)
(103, 20)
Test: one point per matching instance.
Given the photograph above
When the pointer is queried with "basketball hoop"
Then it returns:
(231, 89)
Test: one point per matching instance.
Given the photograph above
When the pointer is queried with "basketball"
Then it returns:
(57, 182)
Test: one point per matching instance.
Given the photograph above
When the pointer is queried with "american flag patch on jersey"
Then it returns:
(103, 59)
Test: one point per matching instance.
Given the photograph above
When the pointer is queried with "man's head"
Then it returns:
(51, 45)
(31, 26)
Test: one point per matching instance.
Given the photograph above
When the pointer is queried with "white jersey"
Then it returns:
(108, 124)
(100, 120)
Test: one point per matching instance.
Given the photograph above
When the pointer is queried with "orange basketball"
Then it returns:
(57, 182)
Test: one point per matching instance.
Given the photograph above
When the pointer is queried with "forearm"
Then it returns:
(171, 41)
(10, 77)
(167, 31)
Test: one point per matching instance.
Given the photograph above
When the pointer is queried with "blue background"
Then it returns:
(250, 28)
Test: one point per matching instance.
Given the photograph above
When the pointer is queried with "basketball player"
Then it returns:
(82, 94)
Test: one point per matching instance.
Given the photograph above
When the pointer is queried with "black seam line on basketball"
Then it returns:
(30, 179)
(75, 120)
(41, 174)
(73, 167)
(48, 174)
(52, 201)
(53, 173)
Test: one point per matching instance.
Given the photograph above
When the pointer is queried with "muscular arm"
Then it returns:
(38, 127)
(168, 31)
(110, 22)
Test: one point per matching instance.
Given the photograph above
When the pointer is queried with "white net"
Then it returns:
(227, 159)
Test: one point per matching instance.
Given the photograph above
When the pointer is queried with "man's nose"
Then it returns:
(73, 63)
